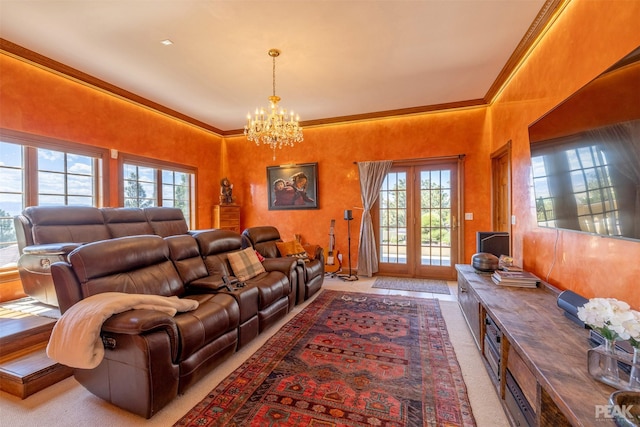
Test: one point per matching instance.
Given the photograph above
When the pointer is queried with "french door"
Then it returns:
(417, 219)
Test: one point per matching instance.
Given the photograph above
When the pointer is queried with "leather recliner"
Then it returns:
(275, 294)
(264, 238)
(185, 254)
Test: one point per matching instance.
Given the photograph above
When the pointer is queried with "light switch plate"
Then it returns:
(468, 216)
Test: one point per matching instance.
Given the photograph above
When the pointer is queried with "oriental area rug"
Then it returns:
(411, 284)
(347, 359)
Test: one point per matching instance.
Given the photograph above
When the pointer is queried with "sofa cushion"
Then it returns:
(216, 315)
(245, 264)
(134, 264)
(263, 240)
(166, 221)
(123, 222)
(272, 286)
(186, 257)
(60, 224)
(292, 248)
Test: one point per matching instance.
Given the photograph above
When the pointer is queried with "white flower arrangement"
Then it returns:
(613, 319)
(632, 326)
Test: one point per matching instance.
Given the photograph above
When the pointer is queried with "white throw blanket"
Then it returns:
(75, 340)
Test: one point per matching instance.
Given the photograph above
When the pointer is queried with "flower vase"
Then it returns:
(603, 364)
(610, 366)
(634, 375)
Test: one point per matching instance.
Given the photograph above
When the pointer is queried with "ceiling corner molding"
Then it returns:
(63, 70)
(380, 115)
(545, 16)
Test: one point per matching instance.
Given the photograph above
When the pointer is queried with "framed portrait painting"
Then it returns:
(293, 187)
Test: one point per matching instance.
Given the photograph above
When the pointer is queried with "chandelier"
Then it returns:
(275, 128)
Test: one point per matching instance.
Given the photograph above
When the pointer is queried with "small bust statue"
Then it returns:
(226, 191)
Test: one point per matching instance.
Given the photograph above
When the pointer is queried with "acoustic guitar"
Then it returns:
(333, 258)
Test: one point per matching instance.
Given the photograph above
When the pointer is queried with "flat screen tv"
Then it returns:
(493, 242)
(585, 156)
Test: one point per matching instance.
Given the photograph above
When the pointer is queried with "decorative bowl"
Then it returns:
(483, 261)
(625, 408)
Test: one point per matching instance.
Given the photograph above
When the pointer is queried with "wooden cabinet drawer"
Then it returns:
(523, 376)
(226, 217)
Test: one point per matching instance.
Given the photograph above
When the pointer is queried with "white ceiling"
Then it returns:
(339, 58)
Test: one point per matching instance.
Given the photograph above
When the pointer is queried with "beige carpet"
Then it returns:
(68, 404)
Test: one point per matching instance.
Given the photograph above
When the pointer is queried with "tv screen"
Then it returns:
(493, 242)
(585, 157)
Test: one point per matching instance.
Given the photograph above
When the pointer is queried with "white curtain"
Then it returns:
(372, 175)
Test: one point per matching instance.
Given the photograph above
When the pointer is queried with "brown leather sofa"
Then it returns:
(47, 234)
(263, 239)
(151, 357)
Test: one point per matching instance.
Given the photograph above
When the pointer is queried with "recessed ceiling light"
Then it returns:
(166, 42)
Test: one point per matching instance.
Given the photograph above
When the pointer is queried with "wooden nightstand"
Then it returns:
(226, 217)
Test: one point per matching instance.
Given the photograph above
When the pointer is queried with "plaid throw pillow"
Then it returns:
(245, 264)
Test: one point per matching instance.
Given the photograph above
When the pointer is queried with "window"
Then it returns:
(11, 191)
(147, 182)
(43, 171)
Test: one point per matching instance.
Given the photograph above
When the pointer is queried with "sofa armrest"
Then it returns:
(283, 264)
(319, 254)
(211, 284)
(141, 321)
(51, 248)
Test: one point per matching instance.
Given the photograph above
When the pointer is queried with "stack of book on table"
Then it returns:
(521, 279)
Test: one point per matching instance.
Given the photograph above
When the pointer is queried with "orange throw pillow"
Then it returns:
(292, 248)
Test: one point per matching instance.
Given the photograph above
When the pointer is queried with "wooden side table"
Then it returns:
(226, 217)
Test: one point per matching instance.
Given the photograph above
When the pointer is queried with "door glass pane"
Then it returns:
(393, 219)
(435, 217)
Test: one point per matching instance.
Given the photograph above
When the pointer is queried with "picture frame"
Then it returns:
(288, 189)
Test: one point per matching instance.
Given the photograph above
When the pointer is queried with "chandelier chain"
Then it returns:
(274, 75)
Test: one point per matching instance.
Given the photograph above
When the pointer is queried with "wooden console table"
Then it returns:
(539, 349)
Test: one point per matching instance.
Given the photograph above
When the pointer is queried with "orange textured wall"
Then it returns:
(336, 148)
(611, 98)
(587, 38)
(42, 103)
